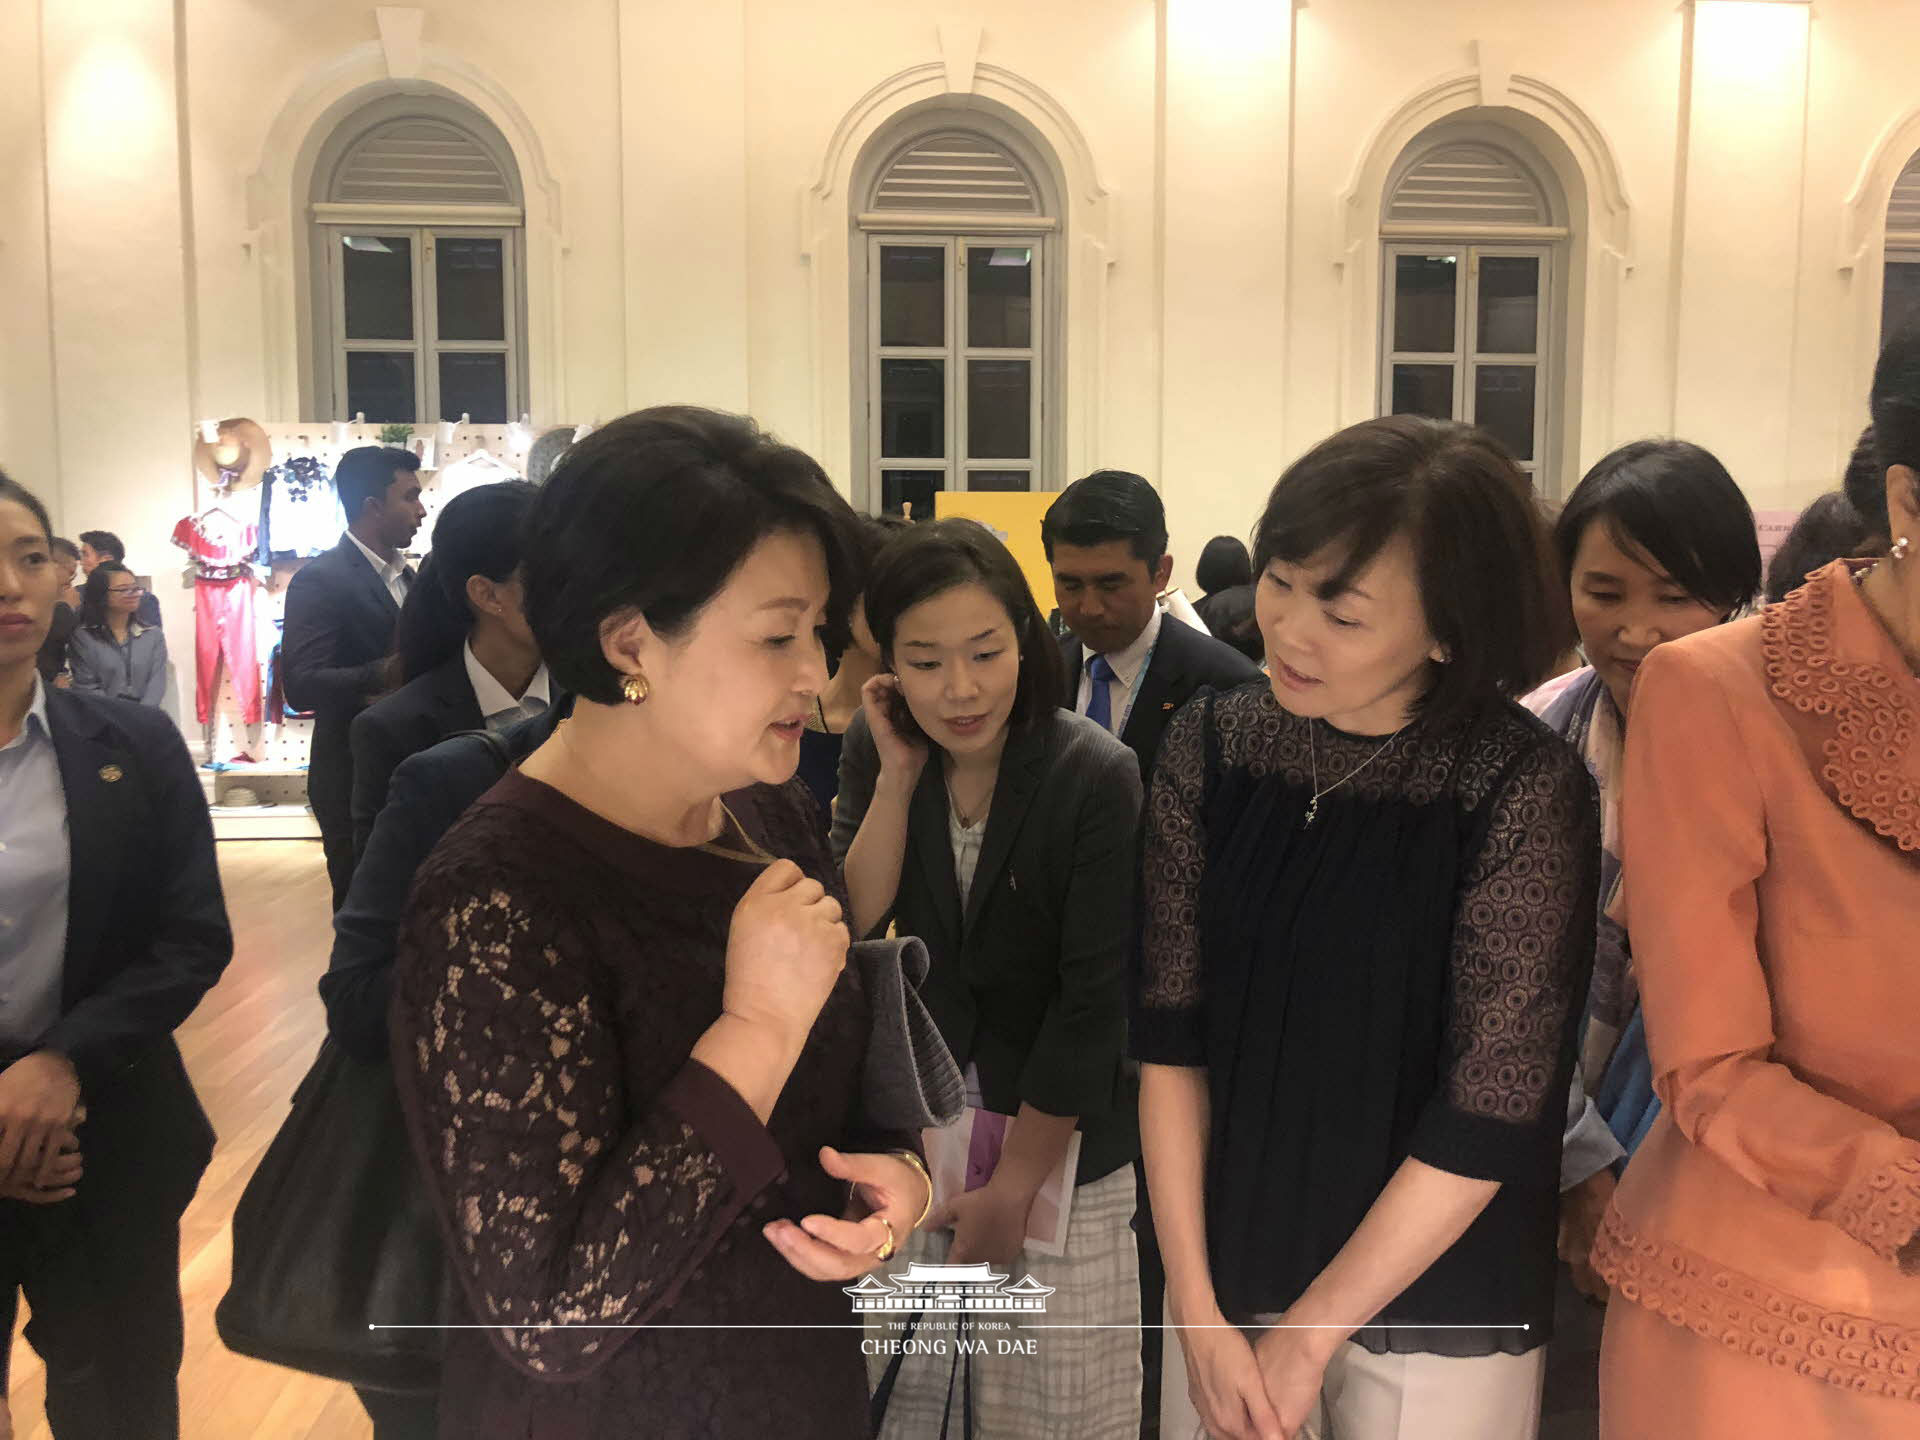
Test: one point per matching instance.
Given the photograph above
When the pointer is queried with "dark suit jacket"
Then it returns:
(147, 937)
(416, 717)
(1183, 661)
(428, 792)
(339, 632)
(1029, 983)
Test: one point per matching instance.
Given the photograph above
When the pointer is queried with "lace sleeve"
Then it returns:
(566, 1201)
(1522, 951)
(1169, 999)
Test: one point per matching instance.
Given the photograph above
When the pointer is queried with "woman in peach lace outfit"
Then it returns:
(1762, 1249)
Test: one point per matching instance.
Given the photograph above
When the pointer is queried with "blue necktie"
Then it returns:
(1099, 697)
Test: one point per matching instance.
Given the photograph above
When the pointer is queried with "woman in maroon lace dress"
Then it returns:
(627, 1047)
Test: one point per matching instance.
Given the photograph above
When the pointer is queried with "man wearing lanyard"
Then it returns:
(1133, 665)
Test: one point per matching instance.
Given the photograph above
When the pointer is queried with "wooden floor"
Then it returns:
(246, 1047)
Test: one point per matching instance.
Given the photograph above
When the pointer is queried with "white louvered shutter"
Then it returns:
(1903, 210)
(967, 173)
(419, 161)
(1468, 184)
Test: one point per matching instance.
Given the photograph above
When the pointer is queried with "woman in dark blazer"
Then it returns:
(116, 929)
(467, 658)
(976, 813)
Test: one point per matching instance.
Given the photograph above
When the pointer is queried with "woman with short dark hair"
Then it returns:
(1369, 917)
(1225, 578)
(978, 814)
(627, 1048)
(1655, 543)
(110, 652)
(467, 657)
(1829, 529)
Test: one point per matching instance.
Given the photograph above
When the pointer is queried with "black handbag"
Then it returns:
(335, 1235)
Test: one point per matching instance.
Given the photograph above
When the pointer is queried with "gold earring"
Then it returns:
(636, 688)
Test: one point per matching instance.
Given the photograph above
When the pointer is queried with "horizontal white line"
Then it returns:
(936, 1314)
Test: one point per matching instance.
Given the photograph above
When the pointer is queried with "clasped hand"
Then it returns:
(1260, 1390)
(883, 1187)
(40, 1118)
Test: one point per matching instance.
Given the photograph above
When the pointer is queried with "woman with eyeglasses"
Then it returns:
(111, 653)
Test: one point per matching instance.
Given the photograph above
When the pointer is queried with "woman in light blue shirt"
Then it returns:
(111, 653)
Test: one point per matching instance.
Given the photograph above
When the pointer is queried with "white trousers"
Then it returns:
(1396, 1397)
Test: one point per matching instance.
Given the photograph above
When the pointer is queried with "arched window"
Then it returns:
(955, 314)
(418, 298)
(1900, 300)
(1474, 231)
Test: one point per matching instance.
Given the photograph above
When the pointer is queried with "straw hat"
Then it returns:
(242, 450)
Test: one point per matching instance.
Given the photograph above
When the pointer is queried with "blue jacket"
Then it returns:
(136, 671)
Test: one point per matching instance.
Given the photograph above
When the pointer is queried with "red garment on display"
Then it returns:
(222, 609)
(219, 543)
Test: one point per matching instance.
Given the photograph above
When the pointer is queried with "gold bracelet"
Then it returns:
(918, 1164)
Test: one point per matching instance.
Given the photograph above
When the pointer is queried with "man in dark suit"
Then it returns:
(1130, 666)
(341, 612)
(112, 928)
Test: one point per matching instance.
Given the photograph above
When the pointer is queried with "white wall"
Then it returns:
(686, 163)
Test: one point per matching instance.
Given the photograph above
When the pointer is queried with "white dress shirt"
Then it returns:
(393, 576)
(499, 709)
(1127, 665)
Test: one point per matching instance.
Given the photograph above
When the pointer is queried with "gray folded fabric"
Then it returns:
(911, 1081)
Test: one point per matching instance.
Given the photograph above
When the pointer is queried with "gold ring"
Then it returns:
(885, 1252)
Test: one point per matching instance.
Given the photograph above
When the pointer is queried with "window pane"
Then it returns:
(1423, 390)
(913, 295)
(1509, 305)
(913, 408)
(470, 280)
(1503, 404)
(1900, 301)
(999, 409)
(1000, 480)
(473, 385)
(1000, 296)
(1423, 303)
(380, 385)
(377, 271)
(902, 488)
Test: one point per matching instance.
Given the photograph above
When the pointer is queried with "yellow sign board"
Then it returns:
(1015, 517)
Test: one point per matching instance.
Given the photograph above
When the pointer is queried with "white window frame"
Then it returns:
(955, 464)
(426, 345)
(1466, 357)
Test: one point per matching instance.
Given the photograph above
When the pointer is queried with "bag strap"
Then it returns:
(883, 1392)
(962, 1371)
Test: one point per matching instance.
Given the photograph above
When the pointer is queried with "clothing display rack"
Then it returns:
(254, 774)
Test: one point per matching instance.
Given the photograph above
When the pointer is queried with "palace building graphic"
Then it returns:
(969, 1289)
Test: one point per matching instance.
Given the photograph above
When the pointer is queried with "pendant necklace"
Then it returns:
(1313, 804)
(753, 855)
(967, 822)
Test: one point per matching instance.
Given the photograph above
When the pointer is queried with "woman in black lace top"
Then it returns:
(1369, 893)
(624, 1036)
